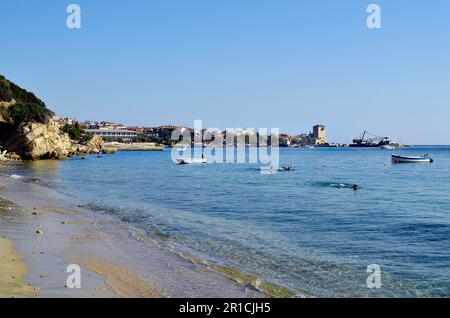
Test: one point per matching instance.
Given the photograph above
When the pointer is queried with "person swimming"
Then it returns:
(355, 187)
(287, 168)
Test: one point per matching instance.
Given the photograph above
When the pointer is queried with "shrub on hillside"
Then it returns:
(24, 96)
(30, 113)
(77, 133)
(5, 90)
(73, 132)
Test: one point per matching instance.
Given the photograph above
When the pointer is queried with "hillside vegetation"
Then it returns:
(25, 106)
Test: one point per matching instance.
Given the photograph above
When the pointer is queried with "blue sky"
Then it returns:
(239, 63)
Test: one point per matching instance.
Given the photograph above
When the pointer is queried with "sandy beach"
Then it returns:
(42, 233)
(31, 245)
(13, 271)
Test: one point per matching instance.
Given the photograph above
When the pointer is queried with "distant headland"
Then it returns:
(30, 131)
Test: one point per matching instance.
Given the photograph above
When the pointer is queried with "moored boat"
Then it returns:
(411, 159)
(388, 147)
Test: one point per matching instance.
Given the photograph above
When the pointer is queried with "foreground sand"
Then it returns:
(36, 243)
(13, 271)
(50, 239)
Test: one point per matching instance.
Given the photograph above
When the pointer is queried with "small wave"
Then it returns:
(150, 229)
(32, 180)
(337, 185)
(16, 177)
(428, 230)
(101, 208)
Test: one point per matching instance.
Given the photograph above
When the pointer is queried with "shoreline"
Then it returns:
(111, 257)
(135, 146)
(13, 269)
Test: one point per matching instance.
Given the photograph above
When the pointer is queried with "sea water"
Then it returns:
(306, 230)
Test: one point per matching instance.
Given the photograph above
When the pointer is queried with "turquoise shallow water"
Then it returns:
(306, 229)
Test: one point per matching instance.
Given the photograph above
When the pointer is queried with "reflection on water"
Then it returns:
(44, 167)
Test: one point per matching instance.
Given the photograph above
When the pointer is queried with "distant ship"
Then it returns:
(370, 140)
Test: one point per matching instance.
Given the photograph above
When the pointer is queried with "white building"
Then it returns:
(113, 133)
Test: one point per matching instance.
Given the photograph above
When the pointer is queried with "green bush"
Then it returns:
(30, 113)
(5, 90)
(23, 96)
(28, 107)
(77, 133)
(86, 136)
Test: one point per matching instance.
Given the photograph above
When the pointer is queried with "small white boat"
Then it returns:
(388, 147)
(411, 159)
(191, 161)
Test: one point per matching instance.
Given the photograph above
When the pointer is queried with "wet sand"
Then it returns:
(30, 265)
(13, 269)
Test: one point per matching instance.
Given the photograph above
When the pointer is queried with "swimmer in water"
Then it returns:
(355, 187)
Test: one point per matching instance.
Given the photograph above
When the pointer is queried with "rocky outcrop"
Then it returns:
(7, 104)
(3, 156)
(92, 146)
(4, 110)
(109, 151)
(33, 141)
(28, 132)
(13, 156)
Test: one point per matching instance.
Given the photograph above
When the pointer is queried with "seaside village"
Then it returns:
(156, 138)
(31, 131)
(67, 137)
(121, 137)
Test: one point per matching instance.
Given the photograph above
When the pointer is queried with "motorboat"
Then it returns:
(412, 159)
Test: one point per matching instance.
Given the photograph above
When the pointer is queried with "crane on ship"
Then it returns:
(368, 139)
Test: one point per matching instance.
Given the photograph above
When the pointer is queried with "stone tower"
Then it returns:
(320, 134)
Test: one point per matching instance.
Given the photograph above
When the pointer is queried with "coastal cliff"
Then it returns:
(35, 141)
(28, 130)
